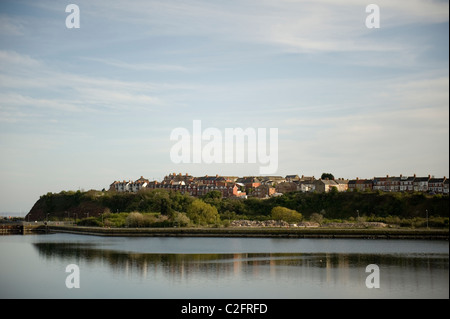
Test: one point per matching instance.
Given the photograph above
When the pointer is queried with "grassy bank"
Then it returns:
(374, 233)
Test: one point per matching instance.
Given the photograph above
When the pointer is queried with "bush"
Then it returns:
(317, 218)
(135, 219)
(115, 220)
(90, 221)
(161, 221)
(202, 214)
(180, 219)
(286, 214)
(149, 220)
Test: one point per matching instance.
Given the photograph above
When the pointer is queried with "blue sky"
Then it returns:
(80, 108)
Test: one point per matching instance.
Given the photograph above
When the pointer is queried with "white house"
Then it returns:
(129, 186)
(124, 186)
(420, 184)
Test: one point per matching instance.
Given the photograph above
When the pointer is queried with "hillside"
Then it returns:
(333, 205)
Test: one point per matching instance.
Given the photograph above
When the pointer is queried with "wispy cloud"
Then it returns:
(141, 66)
(10, 26)
(8, 58)
(299, 26)
(50, 88)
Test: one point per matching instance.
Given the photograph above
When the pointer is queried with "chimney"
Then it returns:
(414, 175)
(401, 175)
(387, 176)
(357, 178)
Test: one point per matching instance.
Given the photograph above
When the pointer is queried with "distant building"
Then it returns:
(420, 184)
(124, 186)
(272, 180)
(249, 182)
(171, 178)
(342, 184)
(286, 187)
(325, 185)
(306, 184)
(385, 184)
(292, 178)
(406, 183)
(264, 191)
(360, 184)
(307, 179)
(139, 184)
(436, 185)
(267, 186)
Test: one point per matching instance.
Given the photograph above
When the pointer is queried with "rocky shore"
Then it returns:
(277, 223)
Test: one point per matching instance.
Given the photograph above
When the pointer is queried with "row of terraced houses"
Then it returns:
(267, 186)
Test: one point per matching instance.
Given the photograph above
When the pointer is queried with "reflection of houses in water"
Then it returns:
(237, 267)
(177, 266)
(333, 269)
(337, 268)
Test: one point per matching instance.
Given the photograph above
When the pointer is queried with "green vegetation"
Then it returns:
(327, 175)
(161, 208)
(286, 214)
(202, 213)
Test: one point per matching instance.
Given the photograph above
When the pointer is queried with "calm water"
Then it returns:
(34, 266)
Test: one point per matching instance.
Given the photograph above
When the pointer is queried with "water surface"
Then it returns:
(33, 266)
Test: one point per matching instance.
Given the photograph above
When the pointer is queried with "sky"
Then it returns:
(83, 107)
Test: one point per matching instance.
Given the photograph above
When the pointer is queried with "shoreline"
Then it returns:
(255, 232)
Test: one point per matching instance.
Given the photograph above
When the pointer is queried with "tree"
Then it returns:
(327, 175)
(334, 190)
(317, 218)
(201, 213)
(213, 198)
(286, 214)
(213, 195)
(165, 206)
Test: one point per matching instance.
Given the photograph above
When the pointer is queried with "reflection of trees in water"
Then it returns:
(246, 264)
